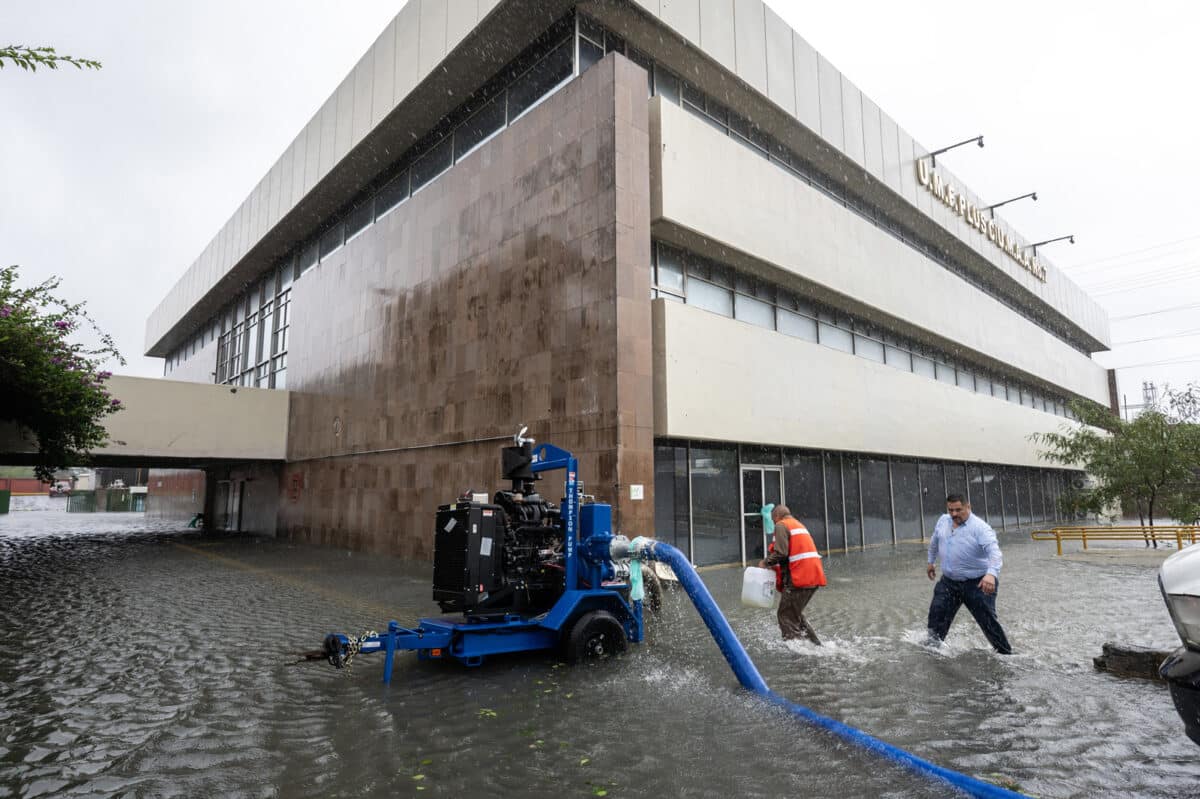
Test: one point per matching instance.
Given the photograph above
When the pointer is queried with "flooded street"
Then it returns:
(137, 659)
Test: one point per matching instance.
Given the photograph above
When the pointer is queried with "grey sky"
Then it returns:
(117, 179)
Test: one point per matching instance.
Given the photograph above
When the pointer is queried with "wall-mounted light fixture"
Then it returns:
(1070, 238)
(992, 208)
(933, 155)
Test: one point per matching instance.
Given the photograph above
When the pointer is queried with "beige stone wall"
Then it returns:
(511, 290)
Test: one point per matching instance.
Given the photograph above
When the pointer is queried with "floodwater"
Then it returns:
(138, 659)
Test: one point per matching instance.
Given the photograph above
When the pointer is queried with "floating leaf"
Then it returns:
(418, 776)
(427, 761)
(583, 761)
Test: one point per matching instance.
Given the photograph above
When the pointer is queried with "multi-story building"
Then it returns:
(669, 236)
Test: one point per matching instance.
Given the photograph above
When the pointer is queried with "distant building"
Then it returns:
(671, 237)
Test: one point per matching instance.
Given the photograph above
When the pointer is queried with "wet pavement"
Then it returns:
(138, 659)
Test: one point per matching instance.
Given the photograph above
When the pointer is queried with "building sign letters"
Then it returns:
(957, 202)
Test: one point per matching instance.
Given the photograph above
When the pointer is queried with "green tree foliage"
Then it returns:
(53, 387)
(30, 58)
(1151, 463)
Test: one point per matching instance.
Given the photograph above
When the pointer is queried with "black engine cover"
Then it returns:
(467, 547)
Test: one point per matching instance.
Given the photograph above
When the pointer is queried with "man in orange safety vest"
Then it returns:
(802, 576)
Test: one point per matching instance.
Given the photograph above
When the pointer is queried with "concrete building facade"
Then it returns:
(668, 236)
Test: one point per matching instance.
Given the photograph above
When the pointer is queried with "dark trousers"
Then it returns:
(791, 614)
(949, 595)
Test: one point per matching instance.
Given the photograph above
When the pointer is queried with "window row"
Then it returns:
(708, 497)
(682, 276)
(666, 84)
(251, 350)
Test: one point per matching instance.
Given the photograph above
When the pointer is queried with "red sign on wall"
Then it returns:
(295, 486)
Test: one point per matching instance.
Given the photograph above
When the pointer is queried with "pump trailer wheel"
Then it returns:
(594, 636)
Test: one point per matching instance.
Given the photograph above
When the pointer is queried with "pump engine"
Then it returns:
(503, 556)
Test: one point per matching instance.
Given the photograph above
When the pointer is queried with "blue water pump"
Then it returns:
(519, 573)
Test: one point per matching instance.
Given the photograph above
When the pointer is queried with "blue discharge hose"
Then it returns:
(751, 680)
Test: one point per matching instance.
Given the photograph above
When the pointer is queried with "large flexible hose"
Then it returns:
(751, 680)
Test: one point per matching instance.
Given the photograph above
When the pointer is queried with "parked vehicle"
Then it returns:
(1179, 579)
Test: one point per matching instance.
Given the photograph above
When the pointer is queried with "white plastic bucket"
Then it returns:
(758, 587)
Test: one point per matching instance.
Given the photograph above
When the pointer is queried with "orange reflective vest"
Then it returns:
(804, 562)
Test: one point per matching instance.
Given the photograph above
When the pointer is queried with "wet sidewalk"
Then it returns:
(137, 659)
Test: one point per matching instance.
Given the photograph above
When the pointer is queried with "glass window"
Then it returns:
(331, 240)
(922, 366)
(983, 385)
(1010, 489)
(671, 522)
(434, 162)
(358, 219)
(716, 523)
(591, 29)
(666, 84)
(907, 496)
(804, 493)
(852, 502)
(945, 373)
(933, 495)
(966, 380)
(285, 275)
(992, 512)
(796, 325)
(956, 479)
(760, 140)
(753, 453)
(868, 348)
(709, 297)
(999, 389)
(613, 43)
(589, 55)
(644, 61)
(670, 269)
(483, 123)
(1014, 395)
(756, 312)
(836, 337)
(739, 125)
(876, 502)
(391, 195)
(833, 500)
(307, 260)
(898, 358)
(717, 112)
(540, 80)
(692, 96)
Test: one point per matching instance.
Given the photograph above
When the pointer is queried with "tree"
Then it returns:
(1151, 463)
(30, 58)
(53, 387)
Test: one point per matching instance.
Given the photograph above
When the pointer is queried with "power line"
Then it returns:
(1181, 334)
(1156, 363)
(1137, 252)
(1172, 309)
(1180, 273)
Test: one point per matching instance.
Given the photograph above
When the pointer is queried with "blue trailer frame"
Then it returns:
(588, 586)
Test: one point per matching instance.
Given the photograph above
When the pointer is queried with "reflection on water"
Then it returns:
(140, 660)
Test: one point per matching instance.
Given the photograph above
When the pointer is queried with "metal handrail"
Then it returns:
(1169, 532)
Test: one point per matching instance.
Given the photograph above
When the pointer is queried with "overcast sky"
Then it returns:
(116, 180)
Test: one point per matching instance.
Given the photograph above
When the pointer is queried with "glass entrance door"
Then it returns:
(761, 485)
